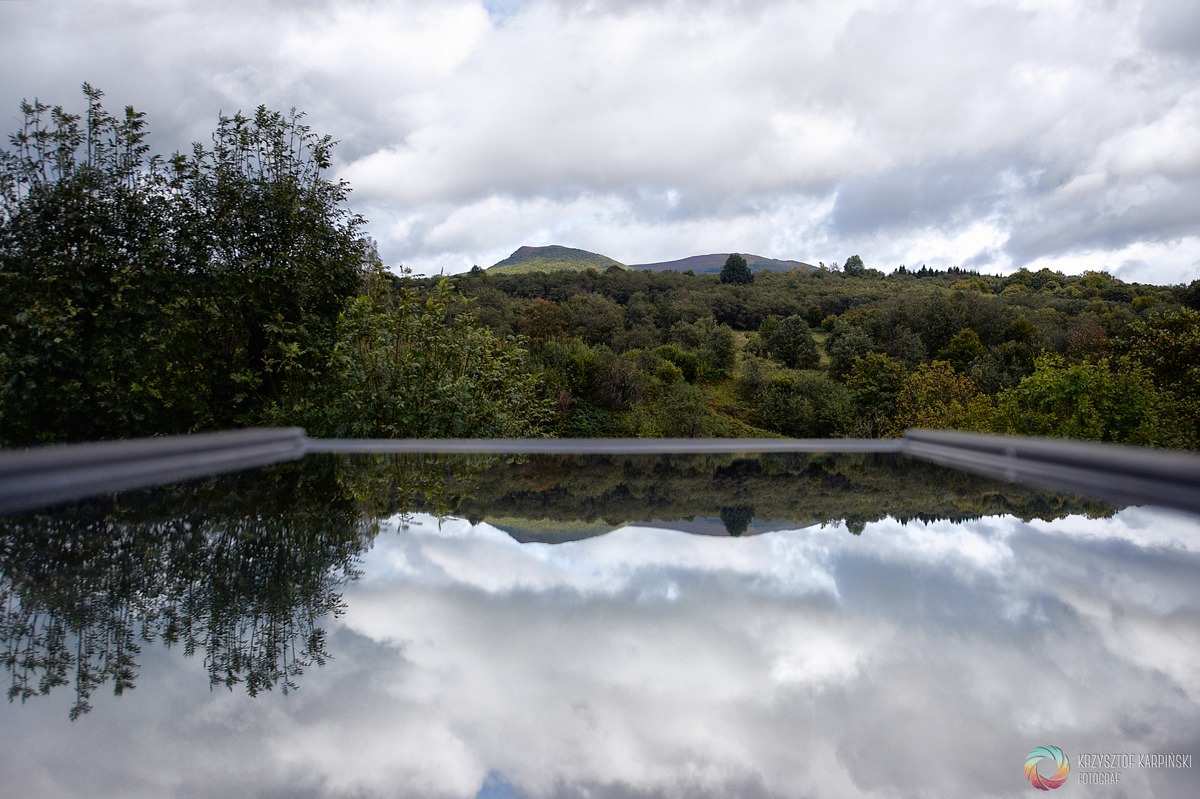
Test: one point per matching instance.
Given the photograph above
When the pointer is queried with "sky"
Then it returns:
(990, 135)
(915, 659)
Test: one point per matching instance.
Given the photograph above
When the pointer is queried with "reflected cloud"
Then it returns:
(914, 658)
(977, 638)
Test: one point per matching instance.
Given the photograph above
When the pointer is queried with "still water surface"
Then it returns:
(775, 626)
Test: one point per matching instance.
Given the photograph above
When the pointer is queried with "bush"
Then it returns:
(805, 405)
(1095, 401)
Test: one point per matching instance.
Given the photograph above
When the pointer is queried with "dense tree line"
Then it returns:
(223, 287)
(853, 352)
(553, 497)
(231, 286)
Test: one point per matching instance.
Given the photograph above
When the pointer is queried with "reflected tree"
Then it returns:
(557, 495)
(83, 588)
(737, 518)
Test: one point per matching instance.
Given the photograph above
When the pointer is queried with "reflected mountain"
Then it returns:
(553, 499)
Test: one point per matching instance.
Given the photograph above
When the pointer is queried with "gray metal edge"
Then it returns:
(36, 477)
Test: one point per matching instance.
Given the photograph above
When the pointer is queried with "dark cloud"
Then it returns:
(1163, 212)
(1173, 27)
(941, 194)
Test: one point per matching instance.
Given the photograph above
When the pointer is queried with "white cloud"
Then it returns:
(931, 132)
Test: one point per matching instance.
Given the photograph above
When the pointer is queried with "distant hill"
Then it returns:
(548, 531)
(711, 264)
(542, 259)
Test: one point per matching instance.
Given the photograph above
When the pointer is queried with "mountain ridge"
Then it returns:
(712, 263)
(552, 257)
(555, 256)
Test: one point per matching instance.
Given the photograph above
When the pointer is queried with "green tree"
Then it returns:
(680, 411)
(874, 384)
(962, 350)
(714, 346)
(845, 345)
(594, 317)
(791, 343)
(804, 405)
(1168, 346)
(277, 252)
(542, 321)
(1094, 401)
(87, 308)
(854, 267)
(138, 298)
(736, 270)
(934, 396)
(404, 367)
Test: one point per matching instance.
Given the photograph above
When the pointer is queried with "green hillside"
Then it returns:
(553, 257)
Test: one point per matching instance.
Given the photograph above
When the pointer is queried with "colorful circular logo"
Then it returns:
(1060, 761)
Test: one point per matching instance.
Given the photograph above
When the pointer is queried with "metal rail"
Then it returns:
(602, 446)
(1112, 472)
(35, 478)
(38, 477)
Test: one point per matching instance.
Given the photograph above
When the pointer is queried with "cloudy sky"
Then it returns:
(993, 135)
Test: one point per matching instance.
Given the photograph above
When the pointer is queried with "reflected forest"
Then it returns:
(244, 571)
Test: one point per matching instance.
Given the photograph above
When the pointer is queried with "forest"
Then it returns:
(231, 286)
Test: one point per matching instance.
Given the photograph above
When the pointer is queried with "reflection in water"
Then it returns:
(244, 567)
(240, 568)
(968, 623)
(559, 498)
(807, 662)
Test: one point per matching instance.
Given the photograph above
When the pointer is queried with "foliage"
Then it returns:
(990, 329)
(935, 396)
(594, 317)
(791, 343)
(86, 311)
(845, 345)
(854, 266)
(1091, 400)
(963, 350)
(138, 298)
(542, 321)
(736, 270)
(403, 366)
(874, 383)
(804, 405)
(227, 287)
(1168, 345)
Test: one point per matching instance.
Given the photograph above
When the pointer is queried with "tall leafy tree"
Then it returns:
(791, 343)
(736, 270)
(138, 297)
(273, 252)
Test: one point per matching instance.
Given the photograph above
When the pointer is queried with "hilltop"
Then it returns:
(543, 259)
(711, 264)
(554, 257)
